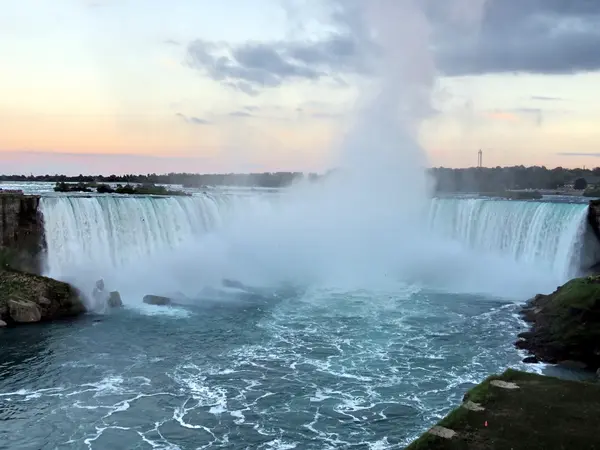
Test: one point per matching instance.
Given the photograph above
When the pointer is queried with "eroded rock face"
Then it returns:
(21, 232)
(29, 298)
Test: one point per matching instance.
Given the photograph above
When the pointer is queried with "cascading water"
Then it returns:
(108, 231)
(90, 237)
(548, 235)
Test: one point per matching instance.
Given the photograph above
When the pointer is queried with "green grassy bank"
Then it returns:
(531, 412)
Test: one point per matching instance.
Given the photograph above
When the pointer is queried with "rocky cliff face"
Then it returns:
(21, 232)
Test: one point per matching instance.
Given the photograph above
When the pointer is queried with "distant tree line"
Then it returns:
(473, 179)
(267, 179)
(497, 179)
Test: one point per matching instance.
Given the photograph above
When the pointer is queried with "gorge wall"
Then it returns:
(593, 217)
(21, 232)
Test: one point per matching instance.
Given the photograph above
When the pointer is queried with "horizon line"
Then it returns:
(300, 172)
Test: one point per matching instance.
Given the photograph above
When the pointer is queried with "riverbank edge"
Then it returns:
(519, 410)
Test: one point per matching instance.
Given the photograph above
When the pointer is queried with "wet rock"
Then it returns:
(157, 300)
(531, 360)
(24, 311)
(114, 300)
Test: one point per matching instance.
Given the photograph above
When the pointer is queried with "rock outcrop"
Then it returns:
(565, 324)
(30, 298)
(593, 217)
(114, 300)
(157, 300)
(21, 232)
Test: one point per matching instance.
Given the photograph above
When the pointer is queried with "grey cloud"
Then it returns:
(171, 42)
(254, 65)
(193, 120)
(239, 114)
(597, 155)
(529, 36)
(546, 99)
(533, 36)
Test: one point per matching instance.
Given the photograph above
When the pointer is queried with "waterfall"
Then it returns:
(101, 234)
(110, 231)
(546, 234)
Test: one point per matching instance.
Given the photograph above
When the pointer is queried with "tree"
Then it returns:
(580, 184)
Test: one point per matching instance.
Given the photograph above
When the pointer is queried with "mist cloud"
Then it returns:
(526, 36)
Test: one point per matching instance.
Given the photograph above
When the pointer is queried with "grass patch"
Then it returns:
(544, 413)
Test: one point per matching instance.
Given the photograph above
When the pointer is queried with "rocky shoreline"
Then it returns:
(565, 325)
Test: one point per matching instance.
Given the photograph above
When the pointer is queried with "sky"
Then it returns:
(137, 86)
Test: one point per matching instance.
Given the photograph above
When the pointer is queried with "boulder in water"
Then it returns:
(157, 300)
(114, 300)
(29, 298)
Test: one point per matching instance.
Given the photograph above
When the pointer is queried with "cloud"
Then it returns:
(517, 114)
(240, 114)
(529, 36)
(193, 120)
(543, 98)
(532, 36)
(255, 65)
(595, 155)
(171, 42)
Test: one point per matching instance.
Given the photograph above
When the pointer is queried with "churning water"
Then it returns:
(282, 363)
